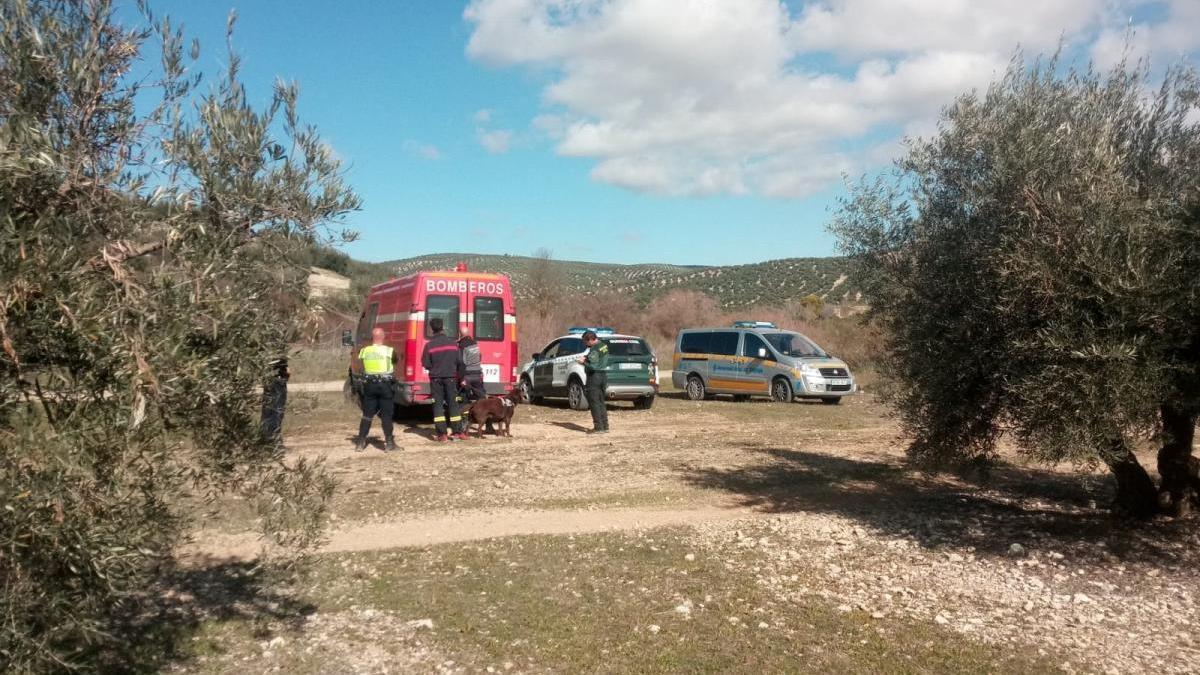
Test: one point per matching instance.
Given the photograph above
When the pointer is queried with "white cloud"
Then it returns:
(1165, 41)
(422, 150)
(872, 27)
(497, 141)
(483, 116)
(682, 97)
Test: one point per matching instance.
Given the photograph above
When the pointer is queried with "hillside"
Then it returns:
(734, 286)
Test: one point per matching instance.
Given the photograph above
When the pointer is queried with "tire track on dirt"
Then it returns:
(465, 526)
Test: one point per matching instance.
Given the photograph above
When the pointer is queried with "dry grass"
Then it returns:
(837, 491)
(322, 364)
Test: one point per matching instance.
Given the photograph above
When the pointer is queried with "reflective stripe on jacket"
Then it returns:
(442, 357)
(377, 359)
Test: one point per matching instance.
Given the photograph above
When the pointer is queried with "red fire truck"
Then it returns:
(479, 305)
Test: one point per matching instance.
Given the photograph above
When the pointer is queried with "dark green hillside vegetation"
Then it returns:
(150, 269)
(1034, 268)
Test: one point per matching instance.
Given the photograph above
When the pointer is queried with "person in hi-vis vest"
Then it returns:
(378, 393)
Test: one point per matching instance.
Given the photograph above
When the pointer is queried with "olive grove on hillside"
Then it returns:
(1034, 264)
(146, 224)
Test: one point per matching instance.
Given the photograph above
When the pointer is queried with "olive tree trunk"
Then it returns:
(1136, 494)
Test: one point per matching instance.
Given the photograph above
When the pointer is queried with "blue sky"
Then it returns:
(631, 131)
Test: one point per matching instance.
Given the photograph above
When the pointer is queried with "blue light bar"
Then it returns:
(754, 324)
(598, 330)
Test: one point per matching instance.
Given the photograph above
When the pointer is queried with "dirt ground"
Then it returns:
(807, 508)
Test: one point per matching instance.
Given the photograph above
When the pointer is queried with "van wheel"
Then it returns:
(575, 395)
(643, 403)
(781, 390)
(527, 391)
(831, 401)
(695, 388)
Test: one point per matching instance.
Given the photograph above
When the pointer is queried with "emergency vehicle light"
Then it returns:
(598, 330)
(754, 324)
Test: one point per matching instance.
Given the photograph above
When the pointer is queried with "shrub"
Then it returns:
(146, 280)
(1034, 266)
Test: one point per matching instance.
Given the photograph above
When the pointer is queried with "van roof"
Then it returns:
(603, 336)
(442, 274)
(754, 329)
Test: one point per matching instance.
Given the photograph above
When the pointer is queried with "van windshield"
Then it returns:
(794, 344)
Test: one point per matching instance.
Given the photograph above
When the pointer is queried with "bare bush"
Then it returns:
(850, 339)
(616, 311)
(544, 283)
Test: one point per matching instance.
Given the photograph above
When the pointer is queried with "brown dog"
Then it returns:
(497, 409)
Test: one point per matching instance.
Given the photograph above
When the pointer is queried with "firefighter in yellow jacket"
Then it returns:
(378, 391)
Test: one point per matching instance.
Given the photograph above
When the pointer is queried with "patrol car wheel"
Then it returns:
(527, 391)
(781, 390)
(695, 388)
(575, 395)
(643, 403)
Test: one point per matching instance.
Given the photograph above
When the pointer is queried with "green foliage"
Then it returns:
(150, 267)
(811, 306)
(1034, 263)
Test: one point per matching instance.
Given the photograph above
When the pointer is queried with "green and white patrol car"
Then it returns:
(554, 372)
(755, 358)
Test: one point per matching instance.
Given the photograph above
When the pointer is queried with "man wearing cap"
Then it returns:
(595, 366)
(378, 393)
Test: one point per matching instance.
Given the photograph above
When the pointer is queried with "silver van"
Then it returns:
(754, 358)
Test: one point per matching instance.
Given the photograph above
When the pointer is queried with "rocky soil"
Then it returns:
(814, 503)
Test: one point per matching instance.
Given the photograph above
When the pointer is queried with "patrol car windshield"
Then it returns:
(793, 344)
(627, 347)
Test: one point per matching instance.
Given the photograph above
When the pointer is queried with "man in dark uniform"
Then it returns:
(378, 392)
(595, 366)
(446, 369)
(275, 399)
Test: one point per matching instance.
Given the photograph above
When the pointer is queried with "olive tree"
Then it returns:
(544, 282)
(146, 224)
(1035, 265)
